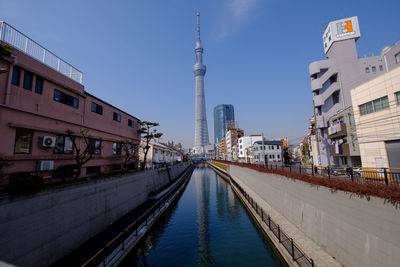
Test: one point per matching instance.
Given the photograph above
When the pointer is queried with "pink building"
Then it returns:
(41, 99)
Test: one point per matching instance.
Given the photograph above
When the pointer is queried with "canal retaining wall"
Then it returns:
(354, 230)
(38, 230)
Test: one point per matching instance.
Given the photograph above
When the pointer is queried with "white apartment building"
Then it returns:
(267, 151)
(160, 154)
(245, 143)
(376, 107)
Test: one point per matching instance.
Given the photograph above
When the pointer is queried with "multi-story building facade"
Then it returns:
(232, 136)
(222, 149)
(46, 115)
(224, 118)
(376, 107)
(160, 155)
(267, 151)
(244, 144)
(331, 82)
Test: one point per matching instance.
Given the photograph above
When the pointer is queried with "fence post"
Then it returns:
(312, 169)
(329, 173)
(351, 174)
(291, 242)
(279, 233)
(269, 222)
(386, 177)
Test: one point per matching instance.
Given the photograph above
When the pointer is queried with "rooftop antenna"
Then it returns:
(198, 25)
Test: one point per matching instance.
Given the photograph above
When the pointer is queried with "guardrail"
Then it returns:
(383, 176)
(20, 41)
(298, 255)
(109, 254)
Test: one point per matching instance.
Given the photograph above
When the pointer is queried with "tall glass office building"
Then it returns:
(223, 115)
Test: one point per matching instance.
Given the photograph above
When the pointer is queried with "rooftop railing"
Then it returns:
(20, 41)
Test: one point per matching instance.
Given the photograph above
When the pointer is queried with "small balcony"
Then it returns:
(318, 100)
(316, 84)
(343, 151)
(321, 122)
(341, 131)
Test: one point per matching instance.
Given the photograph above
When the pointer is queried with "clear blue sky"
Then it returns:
(138, 55)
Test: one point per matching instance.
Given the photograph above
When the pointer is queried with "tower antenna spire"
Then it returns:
(198, 25)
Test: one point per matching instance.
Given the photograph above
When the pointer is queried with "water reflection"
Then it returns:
(208, 227)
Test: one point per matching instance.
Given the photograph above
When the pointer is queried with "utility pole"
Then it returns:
(316, 131)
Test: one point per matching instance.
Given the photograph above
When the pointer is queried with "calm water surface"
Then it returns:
(208, 226)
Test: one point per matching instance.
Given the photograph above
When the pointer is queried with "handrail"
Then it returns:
(20, 41)
(107, 250)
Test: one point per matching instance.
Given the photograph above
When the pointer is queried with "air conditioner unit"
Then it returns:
(45, 165)
(48, 141)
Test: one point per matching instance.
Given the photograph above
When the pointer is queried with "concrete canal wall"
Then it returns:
(38, 230)
(354, 230)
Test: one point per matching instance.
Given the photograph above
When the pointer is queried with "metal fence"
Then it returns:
(297, 254)
(20, 41)
(384, 176)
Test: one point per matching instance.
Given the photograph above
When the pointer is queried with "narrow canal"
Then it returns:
(208, 226)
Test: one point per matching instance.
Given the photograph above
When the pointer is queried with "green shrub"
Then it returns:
(24, 183)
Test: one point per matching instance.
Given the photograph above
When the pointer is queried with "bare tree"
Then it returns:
(130, 150)
(148, 133)
(4, 164)
(81, 154)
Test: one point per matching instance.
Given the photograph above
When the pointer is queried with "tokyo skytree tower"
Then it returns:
(199, 70)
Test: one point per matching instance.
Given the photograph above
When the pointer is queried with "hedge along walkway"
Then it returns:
(222, 166)
(390, 192)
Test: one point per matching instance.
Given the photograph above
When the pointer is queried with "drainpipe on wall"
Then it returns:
(8, 88)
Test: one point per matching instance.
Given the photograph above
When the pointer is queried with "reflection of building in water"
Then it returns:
(203, 204)
(222, 197)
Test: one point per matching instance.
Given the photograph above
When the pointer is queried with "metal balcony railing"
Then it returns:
(20, 41)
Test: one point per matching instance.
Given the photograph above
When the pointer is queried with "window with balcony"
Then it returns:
(333, 78)
(397, 98)
(39, 85)
(16, 76)
(373, 69)
(116, 117)
(335, 97)
(367, 70)
(63, 145)
(380, 67)
(28, 78)
(23, 141)
(66, 99)
(374, 106)
(96, 108)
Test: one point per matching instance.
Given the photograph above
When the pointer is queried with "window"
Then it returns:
(319, 111)
(39, 85)
(116, 167)
(131, 123)
(374, 106)
(94, 146)
(373, 69)
(117, 148)
(343, 160)
(380, 67)
(333, 78)
(335, 97)
(93, 169)
(116, 117)
(16, 76)
(397, 58)
(66, 99)
(279, 156)
(367, 70)
(97, 108)
(270, 156)
(277, 147)
(398, 97)
(63, 145)
(28, 77)
(23, 141)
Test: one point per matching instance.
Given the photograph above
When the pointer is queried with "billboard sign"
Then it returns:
(340, 30)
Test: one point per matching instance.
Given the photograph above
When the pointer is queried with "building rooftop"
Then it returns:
(23, 43)
(268, 142)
